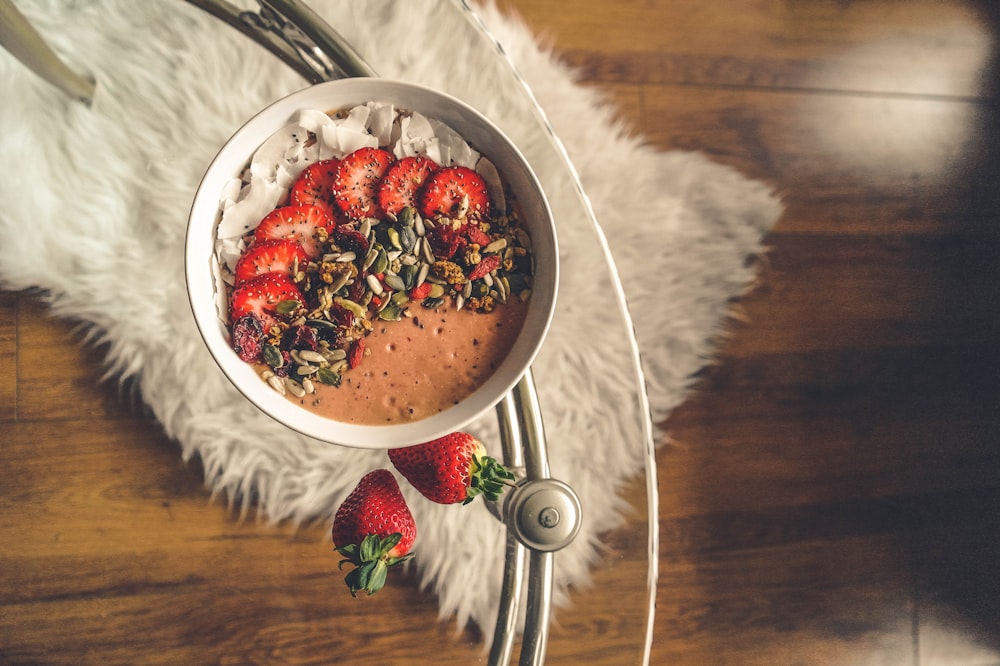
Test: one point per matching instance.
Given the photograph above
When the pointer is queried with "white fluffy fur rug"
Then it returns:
(95, 207)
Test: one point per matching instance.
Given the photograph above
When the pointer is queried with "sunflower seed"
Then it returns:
(334, 355)
(340, 282)
(365, 227)
(459, 301)
(374, 285)
(277, 383)
(305, 370)
(347, 256)
(370, 257)
(294, 387)
(466, 290)
(308, 386)
(422, 273)
(310, 356)
(425, 249)
(496, 246)
(418, 225)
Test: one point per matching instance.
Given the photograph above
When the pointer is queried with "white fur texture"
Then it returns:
(95, 207)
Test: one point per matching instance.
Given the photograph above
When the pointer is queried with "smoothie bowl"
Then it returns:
(371, 263)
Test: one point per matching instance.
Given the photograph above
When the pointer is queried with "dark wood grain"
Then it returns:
(829, 495)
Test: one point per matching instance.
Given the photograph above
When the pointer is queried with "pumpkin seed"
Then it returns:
(350, 305)
(437, 291)
(391, 312)
(432, 302)
(287, 306)
(394, 282)
(407, 238)
(393, 235)
(381, 262)
(406, 216)
(272, 356)
(328, 376)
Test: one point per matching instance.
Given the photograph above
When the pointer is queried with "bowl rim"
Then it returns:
(345, 93)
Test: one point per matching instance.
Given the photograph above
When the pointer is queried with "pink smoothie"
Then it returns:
(420, 366)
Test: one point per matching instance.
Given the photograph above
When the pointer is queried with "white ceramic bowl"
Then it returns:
(484, 136)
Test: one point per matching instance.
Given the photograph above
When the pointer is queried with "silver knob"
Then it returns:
(545, 514)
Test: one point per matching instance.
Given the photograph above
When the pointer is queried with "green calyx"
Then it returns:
(488, 478)
(371, 562)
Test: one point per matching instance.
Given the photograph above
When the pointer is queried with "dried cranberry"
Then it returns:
(348, 239)
(445, 241)
(300, 337)
(342, 315)
(248, 337)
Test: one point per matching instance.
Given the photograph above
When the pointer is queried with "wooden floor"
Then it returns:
(830, 496)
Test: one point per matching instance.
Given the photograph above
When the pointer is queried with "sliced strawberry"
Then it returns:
(398, 188)
(314, 187)
(445, 189)
(356, 182)
(260, 296)
(298, 223)
(270, 256)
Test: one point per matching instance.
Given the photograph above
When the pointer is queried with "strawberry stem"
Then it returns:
(489, 478)
(371, 561)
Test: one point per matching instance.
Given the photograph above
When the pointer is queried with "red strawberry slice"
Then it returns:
(445, 189)
(270, 256)
(356, 183)
(398, 189)
(261, 295)
(374, 530)
(314, 187)
(298, 223)
(452, 469)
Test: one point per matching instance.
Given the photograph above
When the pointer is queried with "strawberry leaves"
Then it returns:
(371, 561)
(489, 479)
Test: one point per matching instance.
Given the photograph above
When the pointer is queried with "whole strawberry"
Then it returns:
(452, 469)
(374, 530)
